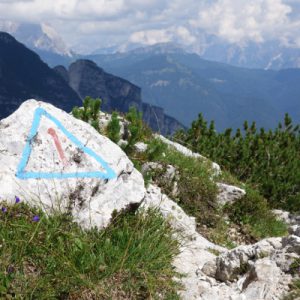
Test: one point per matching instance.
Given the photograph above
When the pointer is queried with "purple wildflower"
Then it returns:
(35, 218)
(18, 200)
(10, 269)
(4, 209)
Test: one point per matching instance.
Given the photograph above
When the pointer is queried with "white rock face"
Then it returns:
(229, 193)
(50, 159)
(251, 272)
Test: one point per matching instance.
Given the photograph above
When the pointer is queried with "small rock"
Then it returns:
(140, 147)
(229, 193)
(294, 229)
(282, 215)
(291, 243)
(210, 268)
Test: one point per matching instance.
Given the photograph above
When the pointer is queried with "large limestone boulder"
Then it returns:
(50, 159)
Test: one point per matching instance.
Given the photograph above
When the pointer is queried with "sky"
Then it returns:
(90, 24)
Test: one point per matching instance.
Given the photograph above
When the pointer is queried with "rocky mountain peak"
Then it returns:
(37, 37)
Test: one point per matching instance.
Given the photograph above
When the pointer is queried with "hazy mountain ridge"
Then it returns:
(265, 55)
(184, 84)
(87, 79)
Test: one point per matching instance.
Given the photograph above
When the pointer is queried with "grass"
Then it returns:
(254, 214)
(197, 192)
(53, 258)
(294, 291)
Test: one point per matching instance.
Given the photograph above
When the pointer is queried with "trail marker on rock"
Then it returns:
(22, 173)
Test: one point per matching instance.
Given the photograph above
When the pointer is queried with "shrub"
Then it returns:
(268, 160)
(89, 112)
(138, 131)
(113, 128)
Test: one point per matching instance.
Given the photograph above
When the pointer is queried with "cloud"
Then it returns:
(239, 21)
(99, 23)
(178, 34)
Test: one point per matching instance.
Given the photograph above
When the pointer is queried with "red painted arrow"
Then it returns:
(58, 146)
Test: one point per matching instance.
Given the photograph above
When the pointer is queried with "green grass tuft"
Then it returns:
(54, 258)
(253, 212)
(197, 192)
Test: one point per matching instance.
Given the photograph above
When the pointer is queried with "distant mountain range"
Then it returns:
(24, 75)
(44, 40)
(266, 55)
(184, 84)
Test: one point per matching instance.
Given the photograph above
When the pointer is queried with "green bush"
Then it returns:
(113, 128)
(138, 131)
(89, 112)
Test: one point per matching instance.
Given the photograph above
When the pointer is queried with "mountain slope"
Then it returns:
(24, 75)
(87, 79)
(184, 84)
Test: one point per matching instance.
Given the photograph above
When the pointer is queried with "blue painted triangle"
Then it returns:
(22, 174)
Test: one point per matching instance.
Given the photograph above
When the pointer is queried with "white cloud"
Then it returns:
(101, 22)
(240, 21)
(178, 34)
(150, 37)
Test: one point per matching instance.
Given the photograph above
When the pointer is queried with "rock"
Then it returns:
(170, 210)
(229, 193)
(194, 251)
(105, 118)
(265, 281)
(64, 164)
(294, 230)
(210, 268)
(282, 215)
(235, 262)
(164, 176)
(287, 217)
(151, 166)
(292, 243)
(187, 152)
(140, 147)
(251, 272)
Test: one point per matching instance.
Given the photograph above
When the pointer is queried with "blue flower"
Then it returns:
(4, 209)
(17, 199)
(35, 218)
